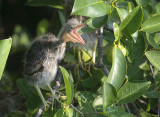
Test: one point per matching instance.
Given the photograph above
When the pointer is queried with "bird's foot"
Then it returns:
(46, 104)
(88, 66)
(76, 69)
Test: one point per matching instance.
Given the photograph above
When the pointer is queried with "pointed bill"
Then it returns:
(76, 36)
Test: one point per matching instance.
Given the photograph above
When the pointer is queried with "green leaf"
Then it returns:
(151, 41)
(157, 8)
(152, 24)
(16, 114)
(154, 57)
(85, 56)
(112, 17)
(52, 3)
(96, 23)
(5, 46)
(138, 47)
(68, 86)
(42, 27)
(90, 8)
(121, 114)
(130, 7)
(109, 95)
(29, 93)
(114, 109)
(98, 102)
(131, 91)
(91, 82)
(142, 2)
(85, 100)
(122, 13)
(60, 113)
(117, 32)
(132, 22)
(117, 72)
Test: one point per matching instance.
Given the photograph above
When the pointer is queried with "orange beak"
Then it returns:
(73, 33)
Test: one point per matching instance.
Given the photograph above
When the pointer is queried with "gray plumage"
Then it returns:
(42, 58)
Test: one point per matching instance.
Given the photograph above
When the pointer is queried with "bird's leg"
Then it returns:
(41, 96)
(54, 96)
(93, 60)
(80, 63)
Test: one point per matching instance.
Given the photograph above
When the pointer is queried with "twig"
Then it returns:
(136, 109)
(152, 72)
(127, 108)
(82, 114)
(155, 83)
(100, 53)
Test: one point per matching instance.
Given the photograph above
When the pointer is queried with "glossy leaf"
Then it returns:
(132, 22)
(90, 8)
(109, 95)
(85, 56)
(52, 3)
(130, 7)
(152, 24)
(97, 22)
(98, 102)
(117, 32)
(151, 41)
(117, 72)
(122, 13)
(154, 57)
(138, 47)
(113, 17)
(5, 46)
(121, 114)
(131, 91)
(68, 86)
(142, 2)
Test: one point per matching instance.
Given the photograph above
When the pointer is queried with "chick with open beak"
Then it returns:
(42, 58)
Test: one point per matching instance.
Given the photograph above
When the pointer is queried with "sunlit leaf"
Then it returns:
(131, 91)
(154, 57)
(5, 46)
(151, 41)
(90, 8)
(132, 22)
(109, 95)
(68, 86)
(117, 72)
(97, 22)
(152, 24)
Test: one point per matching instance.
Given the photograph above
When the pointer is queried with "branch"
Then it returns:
(100, 53)
(127, 108)
(150, 66)
(136, 111)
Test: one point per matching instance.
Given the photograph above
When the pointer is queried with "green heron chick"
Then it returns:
(42, 58)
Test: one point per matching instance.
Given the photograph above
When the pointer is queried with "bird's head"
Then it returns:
(71, 34)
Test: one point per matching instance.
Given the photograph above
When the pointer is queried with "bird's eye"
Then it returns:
(72, 27)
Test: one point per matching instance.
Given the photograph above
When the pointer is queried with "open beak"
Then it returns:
(73, 33)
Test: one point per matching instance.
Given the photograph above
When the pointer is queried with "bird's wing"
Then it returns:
(34, 59)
